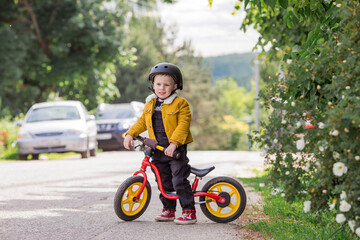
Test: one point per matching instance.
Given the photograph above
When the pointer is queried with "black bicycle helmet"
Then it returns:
(170, 69)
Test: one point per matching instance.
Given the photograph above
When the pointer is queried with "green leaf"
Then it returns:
(284, 3)
(246, 3)
(313, 36)
(270, 3)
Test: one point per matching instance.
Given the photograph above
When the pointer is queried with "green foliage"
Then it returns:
(288, 221)
(236, 66)
(319, 85)
(233, 105)
(143, 40)
(233, 99)
(66, 47)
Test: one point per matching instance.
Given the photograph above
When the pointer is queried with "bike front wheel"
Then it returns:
(125, 206)
(235, 197)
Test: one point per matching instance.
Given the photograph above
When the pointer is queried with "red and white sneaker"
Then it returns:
(166, 215)
(188, 217)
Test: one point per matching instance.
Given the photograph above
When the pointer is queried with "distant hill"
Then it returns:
(237, 66)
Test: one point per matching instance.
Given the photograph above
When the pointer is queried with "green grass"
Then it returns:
(287, 221)
(12, 154)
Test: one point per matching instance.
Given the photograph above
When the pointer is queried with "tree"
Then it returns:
(319, 45)
(148, 41)
(66, 47)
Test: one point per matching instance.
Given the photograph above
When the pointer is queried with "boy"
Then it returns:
(167, 118)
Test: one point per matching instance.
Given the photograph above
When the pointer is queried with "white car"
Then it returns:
(60, 126)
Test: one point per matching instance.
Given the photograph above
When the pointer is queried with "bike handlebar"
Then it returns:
(154, 145)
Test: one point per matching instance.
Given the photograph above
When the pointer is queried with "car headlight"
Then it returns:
(23, 135)
(126, 126)
(123, 126)
(74, 132)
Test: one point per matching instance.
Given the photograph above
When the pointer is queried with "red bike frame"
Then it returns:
(146, 163)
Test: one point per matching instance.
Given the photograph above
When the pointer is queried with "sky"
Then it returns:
(213, 31)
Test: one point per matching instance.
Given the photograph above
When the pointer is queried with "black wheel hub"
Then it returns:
(227, 199)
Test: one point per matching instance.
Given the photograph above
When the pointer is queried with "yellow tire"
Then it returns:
(235, 197)
(125, 206)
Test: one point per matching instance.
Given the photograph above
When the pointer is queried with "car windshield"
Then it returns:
(53, 113)
(115, 113)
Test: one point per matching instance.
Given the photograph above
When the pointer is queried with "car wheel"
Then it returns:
(22, 156)
(85, 154)
(93, 152)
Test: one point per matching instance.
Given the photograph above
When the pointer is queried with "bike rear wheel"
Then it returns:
(235, 196)
(125, 206)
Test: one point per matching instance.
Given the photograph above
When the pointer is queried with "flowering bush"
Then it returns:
(313, 131)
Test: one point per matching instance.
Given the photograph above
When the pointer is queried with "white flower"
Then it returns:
(262, 185)
(357, 158)
(352, 225)
(275, 141)
(346, 130)
(289, 61)
(347, 87)
(331, 206)
(336, 155)
(275, 191)
(344, 206)
(287, 173)
(343, 195)
(318, 87)
(293, 104)
(298, 124)
(335, 133)
(339, 169)
(307, 206)
(324, 191)
(357, 231)
(300, 144)
(321, 125)
(283, 194)
(321, 148)
(340, 218)
(283, 121)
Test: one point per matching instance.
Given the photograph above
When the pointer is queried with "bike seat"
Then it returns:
(201, 172)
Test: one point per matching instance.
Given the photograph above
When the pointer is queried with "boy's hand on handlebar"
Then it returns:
(170, 150)
(128, 141)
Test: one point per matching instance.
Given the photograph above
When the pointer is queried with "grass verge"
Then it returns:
(12, 155)
(287, 221)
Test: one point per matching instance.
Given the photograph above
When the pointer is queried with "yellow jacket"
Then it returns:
(176, 116)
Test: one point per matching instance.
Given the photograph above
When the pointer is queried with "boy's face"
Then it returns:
(163, 85)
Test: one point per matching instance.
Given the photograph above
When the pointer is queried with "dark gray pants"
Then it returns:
(174, 174)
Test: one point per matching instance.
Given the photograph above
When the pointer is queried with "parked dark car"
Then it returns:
(113, 120)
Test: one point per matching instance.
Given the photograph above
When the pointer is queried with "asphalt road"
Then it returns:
(73, 198)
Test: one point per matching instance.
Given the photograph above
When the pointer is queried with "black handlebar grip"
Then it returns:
(176, 155)
(141, 139)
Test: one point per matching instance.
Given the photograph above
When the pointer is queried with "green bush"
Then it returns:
(320, 87)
